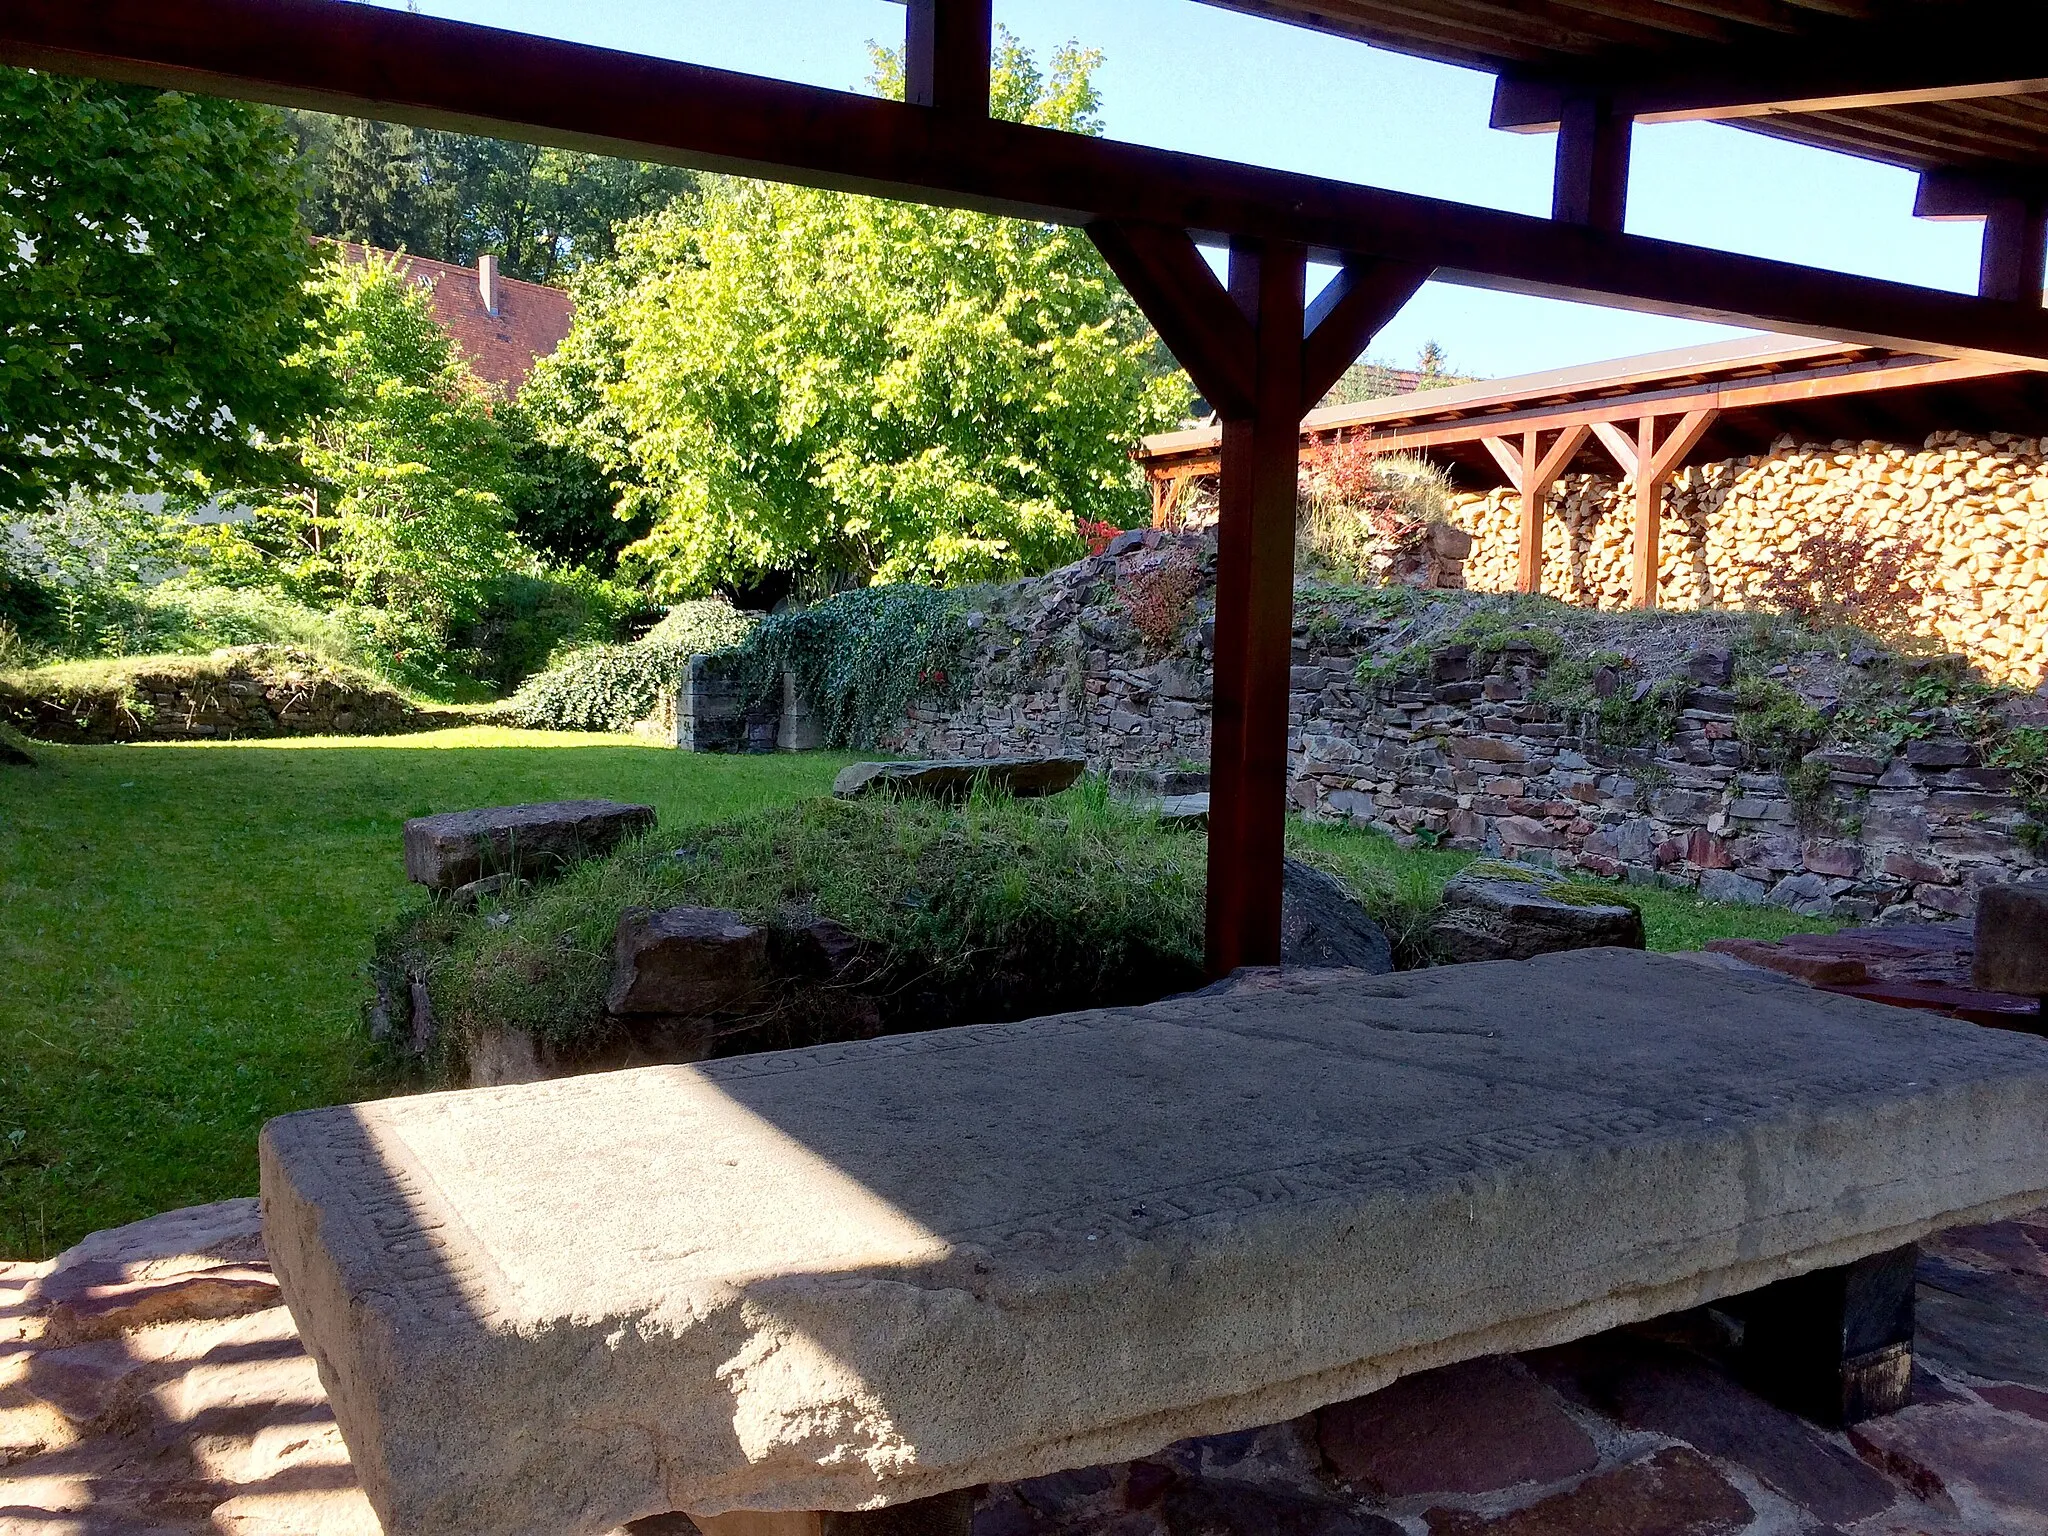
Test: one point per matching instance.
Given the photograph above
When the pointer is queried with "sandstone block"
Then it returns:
(461, 847)
(2012, 940)
(869, 1273)
(954, 778)
(1494, 911)
(686, 961)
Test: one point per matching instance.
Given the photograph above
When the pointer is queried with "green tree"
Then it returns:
(852, 390)
(399, 509)
(452, 196)
(153, 313)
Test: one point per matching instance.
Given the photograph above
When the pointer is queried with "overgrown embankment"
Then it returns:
(242, 691)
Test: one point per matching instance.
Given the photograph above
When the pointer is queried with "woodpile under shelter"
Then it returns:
(1954, 89)
(1644, 418)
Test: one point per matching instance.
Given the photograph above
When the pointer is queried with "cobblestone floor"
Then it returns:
(152, 1385)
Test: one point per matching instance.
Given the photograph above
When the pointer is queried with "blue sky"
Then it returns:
(1188, 76)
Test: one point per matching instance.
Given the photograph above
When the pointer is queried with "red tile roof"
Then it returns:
(530, 323)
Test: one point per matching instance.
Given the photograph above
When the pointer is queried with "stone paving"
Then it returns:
(152, 1385)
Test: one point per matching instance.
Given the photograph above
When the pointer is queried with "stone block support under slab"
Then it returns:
(1835, 1345)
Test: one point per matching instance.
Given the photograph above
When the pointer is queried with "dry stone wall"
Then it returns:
(1467, 757)
(1964, 518)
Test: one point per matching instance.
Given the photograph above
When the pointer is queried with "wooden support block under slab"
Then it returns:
(1835, 1345)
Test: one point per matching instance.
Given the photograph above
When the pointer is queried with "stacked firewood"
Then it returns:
(1949, 542)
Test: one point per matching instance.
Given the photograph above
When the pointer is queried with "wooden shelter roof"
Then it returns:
(1757, 389)
(1924, 84)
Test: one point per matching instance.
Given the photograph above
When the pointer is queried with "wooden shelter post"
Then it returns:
(1651, 463)
(946, 48)
(1533, 472)
(1261, 356)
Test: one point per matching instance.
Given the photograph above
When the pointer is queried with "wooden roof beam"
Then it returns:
(2014, 262)
(946, 50)
(390, 64)
(1835, 68)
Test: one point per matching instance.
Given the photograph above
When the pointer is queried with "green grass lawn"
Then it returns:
(183, 932)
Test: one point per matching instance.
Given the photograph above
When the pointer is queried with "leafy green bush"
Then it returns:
(609, 687)
(861, 657)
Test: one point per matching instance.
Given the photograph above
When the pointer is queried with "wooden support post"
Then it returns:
(1835, 1345)
(944, 1514)
(946, 55)
(1590, 181)
(1255, 616)
(1642, 581)
(1652, 465)
(1533, 473)
(1261, 356)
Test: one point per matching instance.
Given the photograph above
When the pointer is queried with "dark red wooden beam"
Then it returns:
(2013, 264)
(1921, 56)
(1590, 182)
(1352, 308)
(1163, 269)
(370, 60)
(946, 55)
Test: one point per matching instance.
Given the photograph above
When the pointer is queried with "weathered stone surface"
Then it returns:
(1321, 925)
(2012, 940)
(686, 961)
(530, 841)
(875, 1271)
(1185, 810)
(1673, 1493)
(1496, 911)
(954, 778)
(1726, 885)
(1469, 1428)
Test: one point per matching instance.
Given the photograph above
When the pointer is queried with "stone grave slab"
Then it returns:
(857, 1275)
(458, 848)
(953, 778)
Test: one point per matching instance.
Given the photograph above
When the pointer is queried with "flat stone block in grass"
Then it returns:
(1494, 911)
(953, 778)
(870, 1273)
(460, 847)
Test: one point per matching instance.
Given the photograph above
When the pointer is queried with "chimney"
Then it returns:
(487, 282)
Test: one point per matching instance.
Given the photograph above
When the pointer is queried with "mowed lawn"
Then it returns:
(183, 931)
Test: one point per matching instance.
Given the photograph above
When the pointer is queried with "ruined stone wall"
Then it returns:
(1967, 518)
(270, 691)
(1476, 762)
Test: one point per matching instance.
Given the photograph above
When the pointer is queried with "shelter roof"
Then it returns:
(1759, 387)
(1664, 44)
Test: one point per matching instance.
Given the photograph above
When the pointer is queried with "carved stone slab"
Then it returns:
(861, 1274)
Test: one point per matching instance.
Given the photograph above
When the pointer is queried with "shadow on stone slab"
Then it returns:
(1673, 1493)
(1466, 1429)
(1645, 1385)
